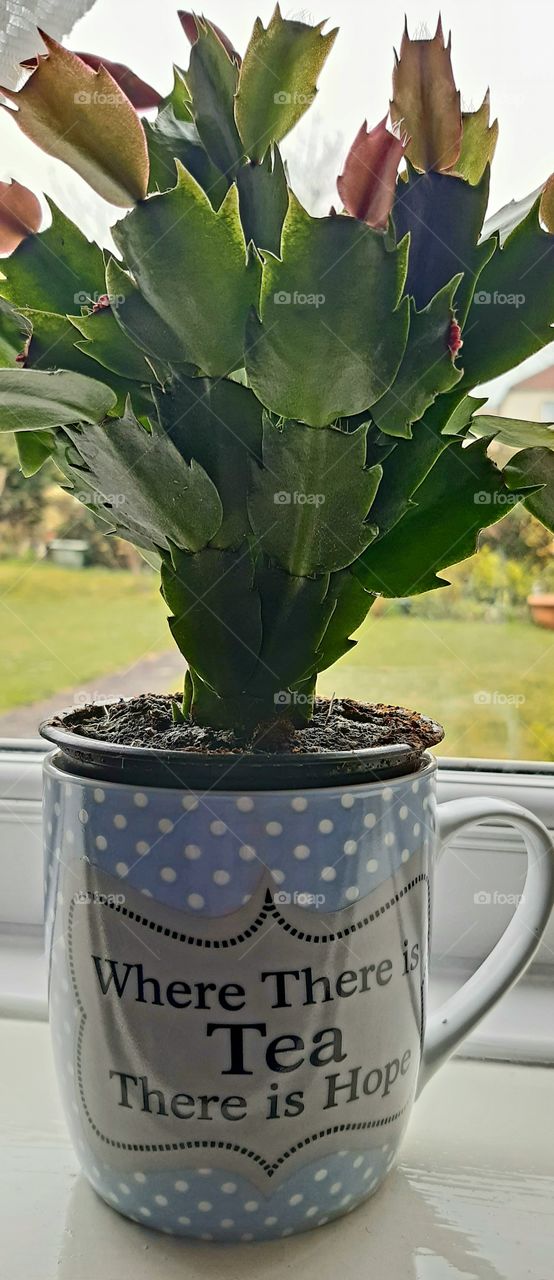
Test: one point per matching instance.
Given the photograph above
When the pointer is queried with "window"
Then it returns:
(81, 617)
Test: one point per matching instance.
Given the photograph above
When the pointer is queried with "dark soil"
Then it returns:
(340, 725)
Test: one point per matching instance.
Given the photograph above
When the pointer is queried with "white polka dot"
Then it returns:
(196, 901)
(113, 1197)
(122, 868)
(192, 851)
(278, 875)
(373, 1184)
(389, 839)
(142, 847)
(370, 820)
(320, 1175)
(417, 828)
(299, 804)
(387, 794)
(228, 1188)
(246, 898)
(405, 855)
(325, 826)
(221, 877)
(251, 1206)
(310, 1213)
(403, 812)
(168, 874)
(372, 864)
(301, 851)
(247, 853)
(165, 825)
(245, 804)
(288, 1231)
(120, 821)
(140, 799)
(345, 1200)
(227, 1222)
(357, 1162)
(184, 1222)
(83, 816)
(204, 1173)
(204, 1206)
(162, 1200)
(99, 795)
(296, 1199)
(189, 803)
(145, 1212)
(350, 847)
(270, 1222)
(217, 827)
(352, 893)
(368, 1173)
(328, 873)
(69, 837)
(273, 828)
(181, 1186)
(321, 1222)
(347, 801)
(146, 893)
(335, 1188)
(247, 1236)
(415, 788)
(101, 842)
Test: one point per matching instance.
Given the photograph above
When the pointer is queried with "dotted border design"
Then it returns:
(270, 1168)
(269, 909)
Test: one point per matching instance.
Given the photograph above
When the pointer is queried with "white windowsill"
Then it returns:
(473, 1194)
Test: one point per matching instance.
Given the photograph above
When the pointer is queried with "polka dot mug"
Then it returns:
(238, 989)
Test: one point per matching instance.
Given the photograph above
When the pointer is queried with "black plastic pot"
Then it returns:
(263, 771)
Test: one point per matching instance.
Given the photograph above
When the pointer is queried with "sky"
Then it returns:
(500, 43)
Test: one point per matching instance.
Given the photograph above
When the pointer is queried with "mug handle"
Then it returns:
(453, 1021)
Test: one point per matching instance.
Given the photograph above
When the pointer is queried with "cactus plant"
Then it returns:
(280, 402)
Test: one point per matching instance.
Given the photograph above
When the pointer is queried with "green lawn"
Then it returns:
(442, 668)
(61, 628)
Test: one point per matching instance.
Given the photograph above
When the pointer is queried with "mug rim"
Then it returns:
(54, 766)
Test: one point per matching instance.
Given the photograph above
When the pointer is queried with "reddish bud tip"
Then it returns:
(455, 341)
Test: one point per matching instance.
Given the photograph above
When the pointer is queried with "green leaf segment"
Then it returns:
(275, 407)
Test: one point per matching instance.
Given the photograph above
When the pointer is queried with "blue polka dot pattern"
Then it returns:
(206, 854)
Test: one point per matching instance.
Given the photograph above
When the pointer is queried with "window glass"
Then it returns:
(80, 613)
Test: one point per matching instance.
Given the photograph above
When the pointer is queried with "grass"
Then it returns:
(60, 628)
(491, 684)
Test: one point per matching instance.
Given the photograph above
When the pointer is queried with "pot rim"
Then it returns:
(82, 757)
(53, 765)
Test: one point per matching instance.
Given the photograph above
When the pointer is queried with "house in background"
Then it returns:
(532, 398)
